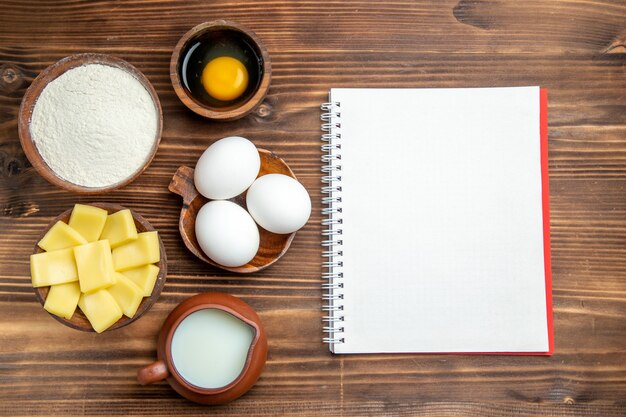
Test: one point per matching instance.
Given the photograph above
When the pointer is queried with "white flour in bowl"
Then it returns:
(94, 125)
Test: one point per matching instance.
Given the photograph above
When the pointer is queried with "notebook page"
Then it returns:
(442, 220)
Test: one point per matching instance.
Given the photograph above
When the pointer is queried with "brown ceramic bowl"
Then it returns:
(272, 246)
(40, 83)
(164, 368)
(78, 320)
(235, 111)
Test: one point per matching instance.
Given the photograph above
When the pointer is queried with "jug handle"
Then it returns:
(152, 373)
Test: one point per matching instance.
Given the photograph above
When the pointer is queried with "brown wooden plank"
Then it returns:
(572, 47)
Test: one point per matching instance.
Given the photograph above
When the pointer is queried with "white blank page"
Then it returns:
(442, 220)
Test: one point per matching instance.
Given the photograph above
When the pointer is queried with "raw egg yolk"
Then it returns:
(225, 78)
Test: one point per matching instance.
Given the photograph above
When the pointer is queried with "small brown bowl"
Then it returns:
(235, 111)
(78, 320)
(30, 99)
(272, 246)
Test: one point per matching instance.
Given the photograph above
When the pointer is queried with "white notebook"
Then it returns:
(436, 221)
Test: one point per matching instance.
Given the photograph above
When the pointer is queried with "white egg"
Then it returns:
(227, 168)
(278, 203)
(226, 233)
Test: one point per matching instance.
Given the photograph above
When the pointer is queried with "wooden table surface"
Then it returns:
(575, 48)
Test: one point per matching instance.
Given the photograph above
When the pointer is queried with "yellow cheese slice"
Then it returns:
(127, 295)
(95, 266)
(61, 236)
(62, 299)
(144, 277)
(101, 309)
(144, 250)
(51, 268)
(88, 221)
(119, 228)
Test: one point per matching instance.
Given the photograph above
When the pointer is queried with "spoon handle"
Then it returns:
(182, 184)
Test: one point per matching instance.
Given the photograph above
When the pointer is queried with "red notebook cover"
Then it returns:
(392, 301)
(545, 186)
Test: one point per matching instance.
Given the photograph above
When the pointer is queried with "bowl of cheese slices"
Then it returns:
(98, 267)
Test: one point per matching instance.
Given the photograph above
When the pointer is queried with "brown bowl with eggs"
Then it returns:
(272, 246)
(246, 228)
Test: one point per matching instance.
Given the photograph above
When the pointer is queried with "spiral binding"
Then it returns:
(332, 231)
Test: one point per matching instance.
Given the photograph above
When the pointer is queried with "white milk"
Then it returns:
(210, 347)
